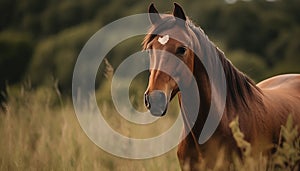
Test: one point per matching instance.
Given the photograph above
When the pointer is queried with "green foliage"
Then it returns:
(15, 52)
(287, 49)
(59, 54)
(251, 64)
(260, 35)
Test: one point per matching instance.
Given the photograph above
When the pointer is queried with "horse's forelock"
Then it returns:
(168, 21)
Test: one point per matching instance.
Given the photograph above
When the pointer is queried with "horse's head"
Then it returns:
(168, 38)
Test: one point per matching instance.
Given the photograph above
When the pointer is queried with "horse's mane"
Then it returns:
(241, 90)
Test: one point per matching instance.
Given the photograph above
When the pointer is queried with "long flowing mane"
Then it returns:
(240, 88)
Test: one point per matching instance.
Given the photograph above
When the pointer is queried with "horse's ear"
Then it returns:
(178, 12)
(153, 18)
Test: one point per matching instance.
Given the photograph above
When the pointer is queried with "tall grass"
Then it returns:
(286, 157)
(39, 132)
(38, 135)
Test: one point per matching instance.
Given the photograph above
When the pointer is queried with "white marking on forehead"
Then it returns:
(163, 40)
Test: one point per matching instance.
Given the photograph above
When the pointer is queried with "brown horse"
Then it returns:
(261, 108)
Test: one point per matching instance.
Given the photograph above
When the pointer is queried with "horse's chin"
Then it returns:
(158, 112)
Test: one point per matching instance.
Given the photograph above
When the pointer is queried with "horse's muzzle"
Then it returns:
(157, 102)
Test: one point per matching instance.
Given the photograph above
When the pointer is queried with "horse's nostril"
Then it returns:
(156, 102)
(146, 98)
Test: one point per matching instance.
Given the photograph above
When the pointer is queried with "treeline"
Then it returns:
(40, 40)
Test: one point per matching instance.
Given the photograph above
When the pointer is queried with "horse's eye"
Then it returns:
(180, 50)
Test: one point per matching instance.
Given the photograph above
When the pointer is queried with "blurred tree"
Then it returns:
(15, 52)
(7, 7)
(288, 48)
(241, 27)
(251, 64)
(55, 57)
(256, 34)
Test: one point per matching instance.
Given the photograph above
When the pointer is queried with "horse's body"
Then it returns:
(280, 96)
(261, 108)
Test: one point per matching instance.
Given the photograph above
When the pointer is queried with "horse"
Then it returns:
(262, 108)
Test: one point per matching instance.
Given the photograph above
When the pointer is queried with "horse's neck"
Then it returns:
(204, 89)
(242, 94)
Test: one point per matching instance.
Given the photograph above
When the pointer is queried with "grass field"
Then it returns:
(38, 132)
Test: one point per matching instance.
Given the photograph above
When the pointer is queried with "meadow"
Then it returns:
(40, 131)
